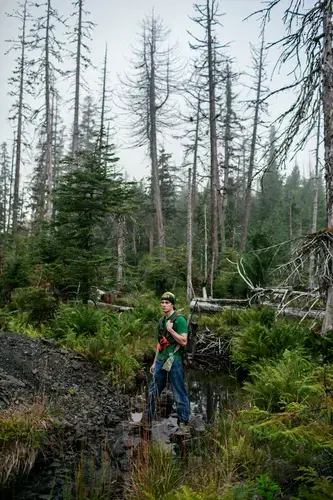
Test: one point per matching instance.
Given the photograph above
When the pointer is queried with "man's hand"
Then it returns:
(152, 369)
(169, 326)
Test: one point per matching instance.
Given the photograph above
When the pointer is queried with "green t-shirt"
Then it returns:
(180, 326)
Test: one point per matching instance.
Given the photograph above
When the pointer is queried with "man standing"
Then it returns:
(172, 340)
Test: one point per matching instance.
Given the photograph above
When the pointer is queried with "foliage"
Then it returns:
(315, 487)
(85, 199)
(118, 342)
(187, 493)
(36, 302)
(164, 271)
(228, 282)
(275, 384)
(155, 473)
(15, 270)
(22, 433)
(90, 483)
(265, 339)
(81, 320)
(262, 488)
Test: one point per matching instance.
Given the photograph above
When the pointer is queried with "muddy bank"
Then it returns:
(90, 414)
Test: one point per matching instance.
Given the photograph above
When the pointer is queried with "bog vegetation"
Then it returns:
(76, 227)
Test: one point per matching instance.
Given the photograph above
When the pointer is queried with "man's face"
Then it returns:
(166, 306)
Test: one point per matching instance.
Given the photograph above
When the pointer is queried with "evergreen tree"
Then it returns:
(88, 126)
(85, 198)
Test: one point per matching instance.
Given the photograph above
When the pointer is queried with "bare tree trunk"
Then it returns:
(195, 157)
(236, 203)
(227, 138)
(290, 214)
(11, 187)
(204, 291)
(102, 129)
(315, 204)
(87, 139)
(5, 192)
(213, 147)
(55, 139)
(327, 98)
(120, 252)
(135, 251)
(19, 125)
(153, 147)
(75, 143)
(189, 293)
(219, 209)
(248, 190)
(151, 238)
(48, 118)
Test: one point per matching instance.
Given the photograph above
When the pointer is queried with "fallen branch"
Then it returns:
(110, 306)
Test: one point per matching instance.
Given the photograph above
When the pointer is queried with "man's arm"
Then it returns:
(152, 368)
(181, 338)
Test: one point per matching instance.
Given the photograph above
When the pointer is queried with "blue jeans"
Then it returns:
(176, 378)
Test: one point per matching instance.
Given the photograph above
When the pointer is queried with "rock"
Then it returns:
(49, 341)
(76, 365)
(34, 371)
(9, 380)
(117, 449)
(197, 424)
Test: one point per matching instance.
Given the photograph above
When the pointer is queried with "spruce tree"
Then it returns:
(85, 199)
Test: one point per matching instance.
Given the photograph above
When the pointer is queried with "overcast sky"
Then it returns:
(117, 24)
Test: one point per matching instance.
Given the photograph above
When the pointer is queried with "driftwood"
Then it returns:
(104, 305)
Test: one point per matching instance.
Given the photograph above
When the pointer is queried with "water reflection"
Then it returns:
(210, 394)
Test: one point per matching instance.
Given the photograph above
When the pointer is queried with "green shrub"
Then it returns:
(155, 473)
(38, 305)
(274, 384)
(256, 341)
(262, 488)
(228, 282)
(187, 493)
(162, 273)
(21, 437)
(114, 356)
(82, 320)
(316, 487)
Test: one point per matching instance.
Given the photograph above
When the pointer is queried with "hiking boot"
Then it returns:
(183, 430)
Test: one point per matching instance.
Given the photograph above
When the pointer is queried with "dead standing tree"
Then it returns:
(20, 85)
(79, 37)
(207, 18)
(258, 56)
(148, 99)
(47, 52)
(309, 33)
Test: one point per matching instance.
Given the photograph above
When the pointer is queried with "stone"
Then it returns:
(49, 341)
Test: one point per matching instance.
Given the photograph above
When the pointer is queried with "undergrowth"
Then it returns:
(22, 435)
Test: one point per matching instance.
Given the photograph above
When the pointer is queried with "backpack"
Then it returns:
(188, 352)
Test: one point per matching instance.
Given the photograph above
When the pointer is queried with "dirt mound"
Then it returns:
(91, 412)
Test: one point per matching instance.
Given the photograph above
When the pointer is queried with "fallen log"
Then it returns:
(296, 312)
(209, 306)
(117, 308)
(222, 301)
(214, 305)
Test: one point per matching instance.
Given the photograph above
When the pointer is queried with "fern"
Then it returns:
(274, 384)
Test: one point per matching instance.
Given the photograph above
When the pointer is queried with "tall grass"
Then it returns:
(22, 436)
